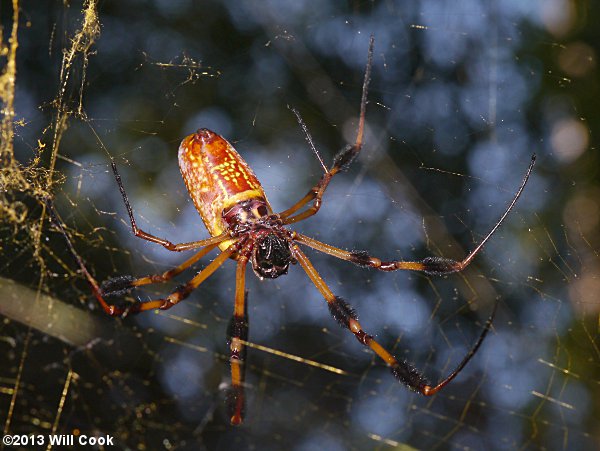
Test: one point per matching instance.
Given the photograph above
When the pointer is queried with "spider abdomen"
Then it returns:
(217, 179)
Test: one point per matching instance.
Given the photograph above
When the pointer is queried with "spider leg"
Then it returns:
(404, 371)
(341, 161)
(120, 285)
(182, 292)
(179, 294)
(154, 239)
(434, 266)
(238, 333)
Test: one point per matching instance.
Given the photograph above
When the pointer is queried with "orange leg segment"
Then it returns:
(238, 332)
(183, 291)
(345, 315)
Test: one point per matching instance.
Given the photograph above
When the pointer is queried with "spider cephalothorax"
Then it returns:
(242, 215)
(262, 235)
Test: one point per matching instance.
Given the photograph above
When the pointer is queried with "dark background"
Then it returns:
(462, 93)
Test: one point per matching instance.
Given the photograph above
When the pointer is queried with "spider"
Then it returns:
(242, 224)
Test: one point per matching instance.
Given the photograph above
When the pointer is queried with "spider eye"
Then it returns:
(271, 257)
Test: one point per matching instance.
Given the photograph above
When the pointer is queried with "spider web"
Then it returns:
(462, 94)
